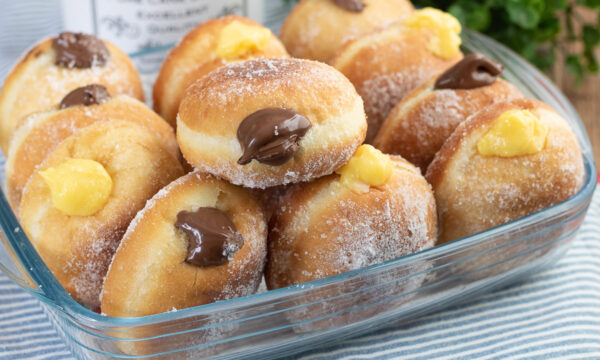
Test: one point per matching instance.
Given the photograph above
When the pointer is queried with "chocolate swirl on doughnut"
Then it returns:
(475, 70)
(79, 50)
(213, 237)
(351, 5)
(271, 136)
(86, 95)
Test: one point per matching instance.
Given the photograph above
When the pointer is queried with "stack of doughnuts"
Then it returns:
(354, 221)
(41, 132)
(76, 206)
(285, 186)
(208, 46)
(506, 161)
(299, 120)
(288, 133)
(149, 259)
(418, 125)
(58, 65)
(386, 64)
(83, 154)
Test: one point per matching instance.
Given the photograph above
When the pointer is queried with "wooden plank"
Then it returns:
(586, 97)
(586, 100)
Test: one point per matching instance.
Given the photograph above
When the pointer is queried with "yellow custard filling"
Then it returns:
(78, 186)
(367, 167)
(238, 39)
(514, 133)
(446, 42)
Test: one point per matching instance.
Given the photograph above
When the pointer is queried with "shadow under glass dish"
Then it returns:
(295, 319)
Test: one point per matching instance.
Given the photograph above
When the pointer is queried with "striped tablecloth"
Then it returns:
(554, 314)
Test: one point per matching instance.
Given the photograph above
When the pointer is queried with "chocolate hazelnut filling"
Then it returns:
(79, 50)
(351, 5)
(213, 237)
(86, 95)
(271, 136)
(475, 70)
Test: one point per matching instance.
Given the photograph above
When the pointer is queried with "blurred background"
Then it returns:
(561, 37)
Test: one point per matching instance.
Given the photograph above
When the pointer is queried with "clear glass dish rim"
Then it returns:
(52, 293)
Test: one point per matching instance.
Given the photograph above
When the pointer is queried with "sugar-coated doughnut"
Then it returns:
(508, 160)
(386, 64)
(268, 122)
(380, 208)
(417, 127)
(270, 197)
(316, 29)
(57, 65)
(159, 266)
(78, 204)
(208, 46)
(38, 134)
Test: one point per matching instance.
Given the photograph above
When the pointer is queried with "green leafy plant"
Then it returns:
(537, 29)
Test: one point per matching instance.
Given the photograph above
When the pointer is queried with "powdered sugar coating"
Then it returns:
(207, 134)
(151, 203)
(382, 92)
(445, 112)
(40, 133)
(386, 64)
(323, 228)
(281, 81)
(195, 56)
(149, 273)
(309, 32)
(37, 84)
(91, 264)
(418, 126)
(319, 167)
(476, 192)
(78, 249)
(367, 237)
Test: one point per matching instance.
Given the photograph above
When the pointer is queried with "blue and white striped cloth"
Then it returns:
(554, 314)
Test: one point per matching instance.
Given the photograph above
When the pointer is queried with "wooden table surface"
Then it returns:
(586, 99)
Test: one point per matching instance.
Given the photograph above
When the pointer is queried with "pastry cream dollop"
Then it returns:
(238, 39)
(514, 133)
(78, 186)
(367, 167)
(446, 42)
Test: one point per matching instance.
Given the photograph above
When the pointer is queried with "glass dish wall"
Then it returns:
(293, 319)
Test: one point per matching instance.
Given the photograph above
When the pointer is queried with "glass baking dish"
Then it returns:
(294, 319)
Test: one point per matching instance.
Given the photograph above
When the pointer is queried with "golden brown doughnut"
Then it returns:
(386, 64)
(196, 55)
(475, 192)
(316, 29)
(78, 248)
(337, 224)
(417, 127)
(325, 227)
(273, 99)
(38, 83)
(150, 273)
(38, 134)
